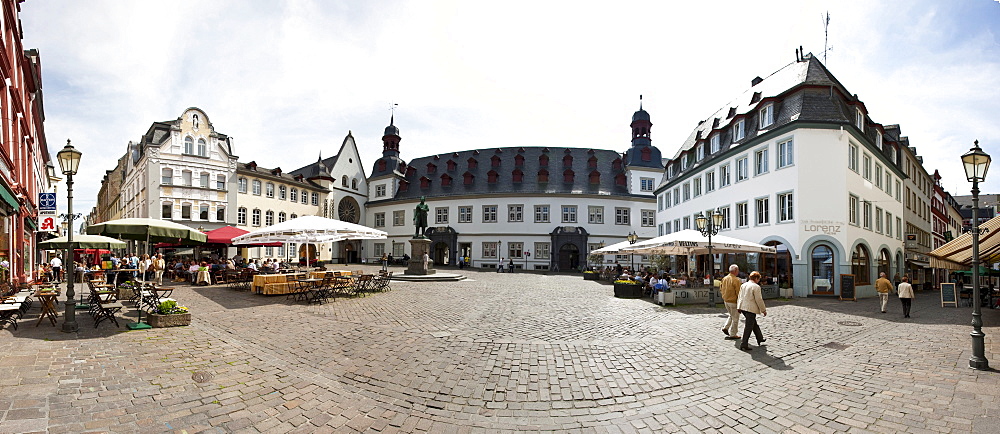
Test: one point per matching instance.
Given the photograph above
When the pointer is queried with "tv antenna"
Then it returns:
(826, 35)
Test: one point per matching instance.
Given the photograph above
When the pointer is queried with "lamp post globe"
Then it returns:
(69, 163)
(976, 164)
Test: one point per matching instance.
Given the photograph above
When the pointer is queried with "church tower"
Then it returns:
(390, 139)
(641, 127)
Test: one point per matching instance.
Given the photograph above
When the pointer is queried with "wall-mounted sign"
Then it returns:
(47, 202)
(47, 223)
(826, 227)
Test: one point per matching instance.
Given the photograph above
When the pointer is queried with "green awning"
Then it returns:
(31, 223)
(9, 197)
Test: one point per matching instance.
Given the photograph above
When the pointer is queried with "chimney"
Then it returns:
(756, 80)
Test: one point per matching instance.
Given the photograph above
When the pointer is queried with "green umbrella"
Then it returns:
(82, 242)
(151, 230)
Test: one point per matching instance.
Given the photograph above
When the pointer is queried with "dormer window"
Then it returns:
(468, 178)
(568, 161)
(670, 171)
(473, 163)
(410, 171)
(517, 176)
(738, 131)
(519, 161)
(617, 164)
(595, 177)
(715, 143)
(381, 165)
(592, 162)
(425, 182)
(543, 160)
(445, 180)
(568, 176)
(620, 179)
(431, 168)
(878, 140)
(684, 162)
(495, 161)
(543, 175)
(646, 154)
(492, 176)
(859, 120)
(701, 151)
(451, 165)
(766, 116)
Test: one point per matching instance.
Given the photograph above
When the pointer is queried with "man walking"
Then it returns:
(730, 289)
(751, 304)
(884, 287)
(56, 264)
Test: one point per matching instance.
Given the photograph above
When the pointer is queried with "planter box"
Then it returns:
(180, 319)
(591, 276)
(665, 297)
(627, 290)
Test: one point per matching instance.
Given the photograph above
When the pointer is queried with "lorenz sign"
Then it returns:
(827, 227)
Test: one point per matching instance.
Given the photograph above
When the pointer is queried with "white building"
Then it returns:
(544, 207)
(796, 163)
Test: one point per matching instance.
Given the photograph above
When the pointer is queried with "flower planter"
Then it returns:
(175, 320)
(591, 276)
(628, 290)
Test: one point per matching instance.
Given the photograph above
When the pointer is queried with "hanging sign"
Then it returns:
(47, 223)
(47, 202)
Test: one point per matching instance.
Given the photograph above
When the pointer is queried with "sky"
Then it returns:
(289, 79)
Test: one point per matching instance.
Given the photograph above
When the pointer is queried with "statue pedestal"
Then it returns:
(416, 266)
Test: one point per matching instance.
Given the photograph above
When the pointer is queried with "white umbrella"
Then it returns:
(692, 242)
(310, 229)
(613, 249)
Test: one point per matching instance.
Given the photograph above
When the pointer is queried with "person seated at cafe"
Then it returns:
(682, 281)
(193, 270)
(252, 265)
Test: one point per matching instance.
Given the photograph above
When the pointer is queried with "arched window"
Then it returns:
(281, 217)
(203, 211)
(256, 187)
(282, 192)
(294, 216)
(354, 184)
(241, 216)
(293, 195)
(568, 175)
(256, 217)
(241, 185)
(269, 218)
(220, 214)
(202, 148)
(269, 189)
(315, 199)
(343, 181)
(167, 176)
(822, 270)
(883, 263)
(188, 145)
(543, 175)
(861, 265)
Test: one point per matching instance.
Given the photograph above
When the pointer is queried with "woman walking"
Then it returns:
(905, 292)
(750, 303)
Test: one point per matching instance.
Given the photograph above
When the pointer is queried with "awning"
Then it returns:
(31, 223)
(959, 250)
(8, 197)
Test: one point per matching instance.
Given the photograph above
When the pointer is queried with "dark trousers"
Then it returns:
(751, 325)
(57, 273)
(907, 302)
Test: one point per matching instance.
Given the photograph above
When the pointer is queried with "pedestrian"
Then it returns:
(883, 286)
(750, 303)
(730, 289)
(159, 265)
(500, 266)
(56, 264)
(385, 262)
(906, 296)
(618, 269)
(510, 265)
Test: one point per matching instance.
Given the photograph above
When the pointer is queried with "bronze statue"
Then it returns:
(420, 219)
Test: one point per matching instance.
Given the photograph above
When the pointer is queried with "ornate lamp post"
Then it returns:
(976, 163)
(69, 162)
(708, 228)
(632, 238)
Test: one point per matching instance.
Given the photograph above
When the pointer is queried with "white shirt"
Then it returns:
(56, 262)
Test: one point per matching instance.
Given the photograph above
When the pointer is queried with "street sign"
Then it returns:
(47, 224)
(527, 253)
(46, 201)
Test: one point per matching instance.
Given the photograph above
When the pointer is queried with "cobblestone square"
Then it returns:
(501, 352)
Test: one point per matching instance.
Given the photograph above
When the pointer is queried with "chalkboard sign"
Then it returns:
(847, 287)
(948, 294)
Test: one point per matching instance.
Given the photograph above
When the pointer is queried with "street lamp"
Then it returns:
(976, 163)
(69, 162)
(632, 238)
(708, 228)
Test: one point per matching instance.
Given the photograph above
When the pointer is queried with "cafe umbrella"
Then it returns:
(82, 242)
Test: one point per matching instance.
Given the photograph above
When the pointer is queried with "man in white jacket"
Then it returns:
(750, 303)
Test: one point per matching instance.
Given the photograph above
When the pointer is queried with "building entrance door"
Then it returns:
(569, 257)
(440, 253)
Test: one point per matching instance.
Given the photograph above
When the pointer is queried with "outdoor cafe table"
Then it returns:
(273, 283)
(48, 299)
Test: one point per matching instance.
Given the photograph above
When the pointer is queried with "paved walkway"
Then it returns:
(501, 352)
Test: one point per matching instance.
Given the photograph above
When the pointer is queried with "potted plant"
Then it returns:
(591, 275)
(169, 314)
(628, 288)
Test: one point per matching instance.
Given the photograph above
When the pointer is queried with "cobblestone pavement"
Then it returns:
(501, 352)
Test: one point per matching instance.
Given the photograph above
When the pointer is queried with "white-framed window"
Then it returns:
(726, 218)
(670, 170)
(186, 177)
(282, 217)
(866, 169)
(742, 215)
(859, 120)
(714, 141)
(167, 210)
(315, 199)
(268, 218)
(380, 219)
(167, 176)
(659, 202)
(293, 194)
(305, 196)
(888, 224)
(541, 250)
(281, 251)
(255, 217)
(202, 148)
(878, 176)
(898, 199)
(441, 215)
(687, 222)
(269, 190)
(269, 251)
(677, 195)
(595, 215)
(189, 146)
(899, 228)
(763, 210)
(852, 157)
(622, 216)
(696, 183)
(701, 151)
(660, 230)
(490, 249)
(888, 182)
(766, 116)
(379, 249)
(515, 250)
(878, 139)
(648, 217)
(241, 216)
(399, 218)
(684, 162)
(282, 192)
(786, 153)
(380, 190)
(687, 191)
(785, 207)
(709, 181)
(569, 213)
(255, 187)
(203, 211)
(646, 184)
(465, 214)
(866, 209)
(878, 220)
(725, 173)
(742, 168)
(541, 213)
(489, 213)
(677, 225)
(738, 131)
(667, 197)
(220, 182)
(515, 213)
(760, 162)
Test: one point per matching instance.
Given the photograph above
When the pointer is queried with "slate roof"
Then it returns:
(319, 169)
(802, 91)
(606, 168)
(252, 169)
